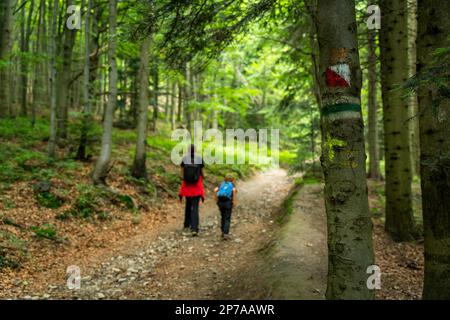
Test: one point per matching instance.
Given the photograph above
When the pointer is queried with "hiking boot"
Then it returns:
(225, 237)
(194, 233)
(186, 232)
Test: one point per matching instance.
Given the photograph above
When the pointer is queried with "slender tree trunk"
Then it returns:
(374, 163)
(53, 72)
(414, 109)
(64, 79)
(39, 83)
(139, 169)
(6, 29)
(166, 102)
(25, 45)
(94, 48)
(172, 105)
(394, 71)
(433, 31)
(81, 153)
(102, 166)
(180, 102)
(350, 250)
(187, 95)
(155, 94)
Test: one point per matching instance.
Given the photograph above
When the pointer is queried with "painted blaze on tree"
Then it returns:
(343, 158)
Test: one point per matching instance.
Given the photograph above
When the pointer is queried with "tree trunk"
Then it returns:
(180, 102)
(64, 79)
(139, 169)
(374, 163)
(53, 73)
(394, 71)
(187, 95)
(433, 31)
(6, 29)
(39, 82)
(172, 105)
(86, 124)
(25, 47)
(102, 166)
(350, 250)
(414, 109)
(155, 94)
(166, 102)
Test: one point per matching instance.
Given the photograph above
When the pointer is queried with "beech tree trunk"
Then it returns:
(433, 31)
(394, 72)
(102, 166)
(173, 104)
(139, 169)
(180, 102)
(39, 80)
(25, 47)
(6, 25)
(350, 250)
(155, 94)
(53, 73)
(81, 153)
(64, 79)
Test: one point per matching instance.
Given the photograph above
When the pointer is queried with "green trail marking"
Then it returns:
(340, 107)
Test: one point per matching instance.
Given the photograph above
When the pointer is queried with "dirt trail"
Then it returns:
(298, 261)
(168, 265)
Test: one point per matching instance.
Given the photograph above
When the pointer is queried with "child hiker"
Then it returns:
(226, 199)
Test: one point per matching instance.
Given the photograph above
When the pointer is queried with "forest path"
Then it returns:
(296, 267)
(168, 265)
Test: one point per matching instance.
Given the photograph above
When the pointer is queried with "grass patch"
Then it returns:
(49, 200)
(12, 250)
(287, 207)
(90, 200)
(46, 231)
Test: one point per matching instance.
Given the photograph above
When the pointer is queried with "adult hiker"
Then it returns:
(192, 189)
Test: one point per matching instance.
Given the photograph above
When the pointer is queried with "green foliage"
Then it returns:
(84, 125)
(435, 78)
(45, 230)
(23, 155)
(20, 129)
(12, 250)
(87, 202)
(287, 207)
(91, 199)
(49, 200)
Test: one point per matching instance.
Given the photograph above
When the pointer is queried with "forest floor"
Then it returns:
(155, 261)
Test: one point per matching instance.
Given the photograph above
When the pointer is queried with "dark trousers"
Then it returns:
(225, 212)
(191, 213)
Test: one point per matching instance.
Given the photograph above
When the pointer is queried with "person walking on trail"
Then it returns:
(225, 196)
(192, 189)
